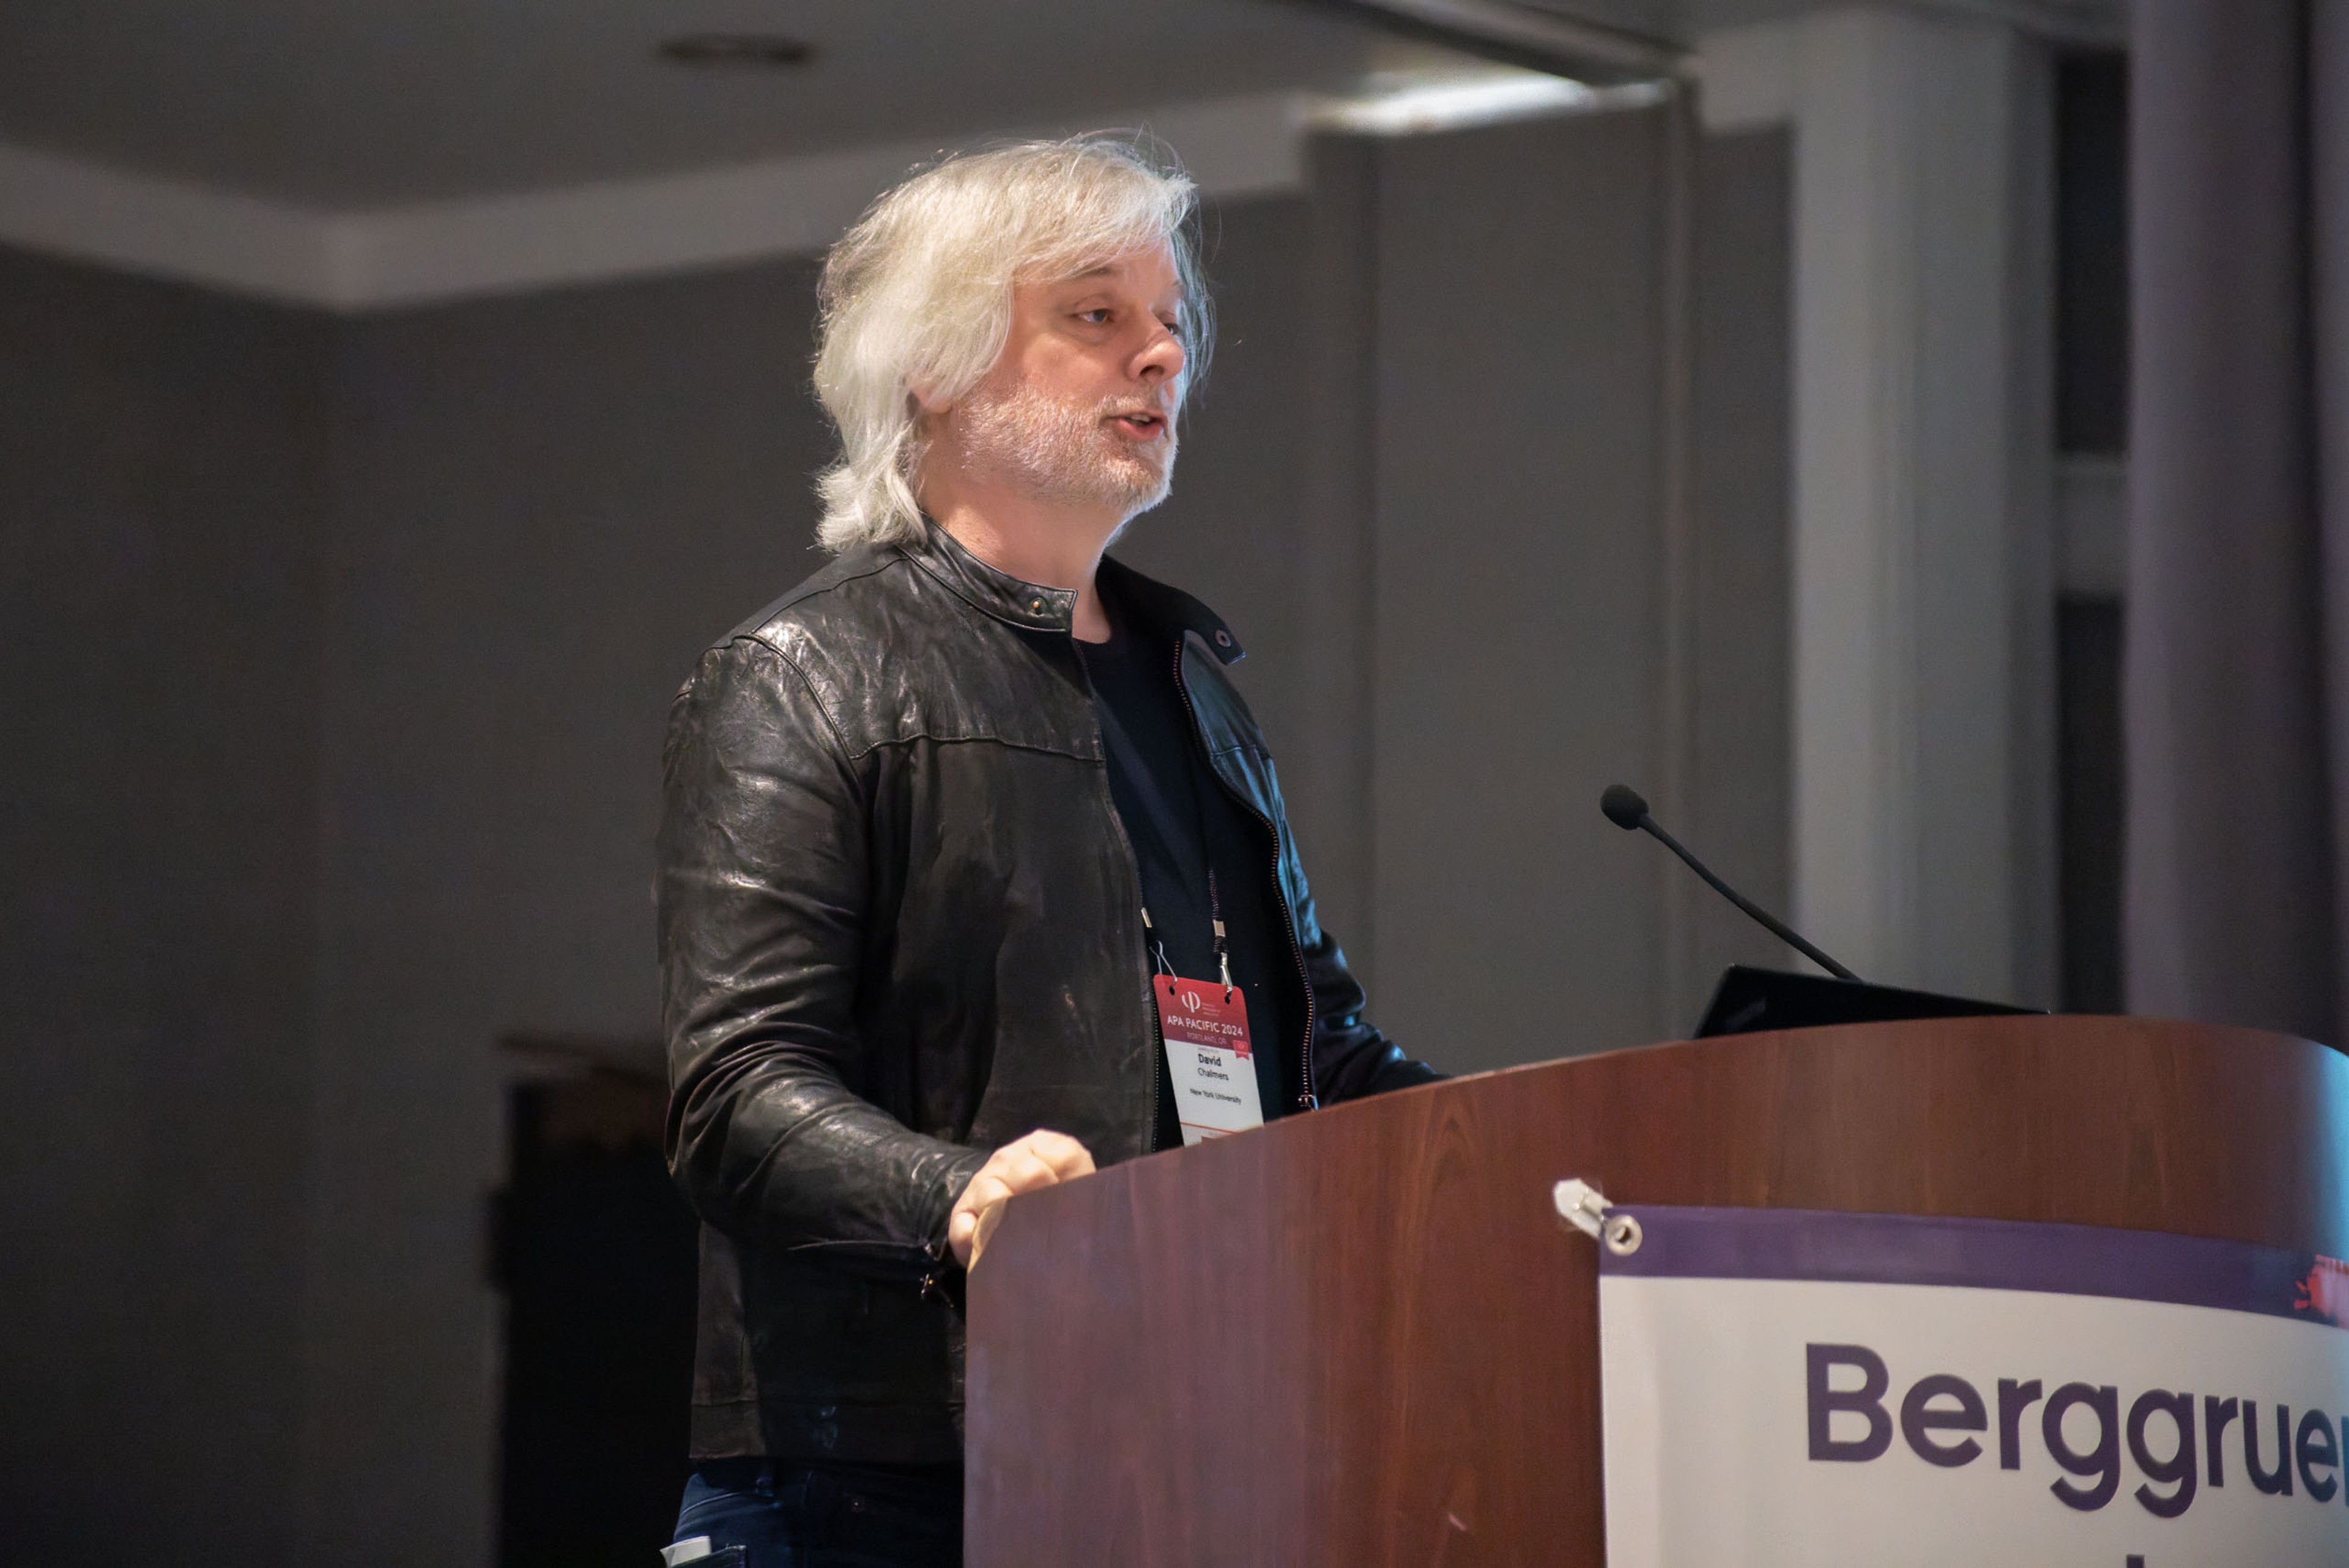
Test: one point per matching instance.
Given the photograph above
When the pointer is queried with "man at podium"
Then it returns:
(974, 870)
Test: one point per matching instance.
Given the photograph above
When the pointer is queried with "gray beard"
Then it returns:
(1062, 451)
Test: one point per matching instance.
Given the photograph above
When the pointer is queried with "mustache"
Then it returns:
(1156, 407)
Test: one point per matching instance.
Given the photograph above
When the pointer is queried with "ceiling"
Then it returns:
(334, 106)
(342, 105)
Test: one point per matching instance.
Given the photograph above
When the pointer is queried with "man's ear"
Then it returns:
(925, 397)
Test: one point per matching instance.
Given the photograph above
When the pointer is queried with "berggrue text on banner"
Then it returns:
(1797, 1388)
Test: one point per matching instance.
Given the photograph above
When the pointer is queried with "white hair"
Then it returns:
(918, 293)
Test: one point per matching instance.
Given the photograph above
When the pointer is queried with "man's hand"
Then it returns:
(1039, 1159)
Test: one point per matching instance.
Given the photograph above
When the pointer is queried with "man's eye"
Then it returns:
(1096, 315)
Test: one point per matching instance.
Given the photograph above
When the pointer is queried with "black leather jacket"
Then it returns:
(899, 926)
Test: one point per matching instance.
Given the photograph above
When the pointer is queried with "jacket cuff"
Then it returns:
(953, 1175)
(946, 1278)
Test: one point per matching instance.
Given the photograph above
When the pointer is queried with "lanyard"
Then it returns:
(1214, 918)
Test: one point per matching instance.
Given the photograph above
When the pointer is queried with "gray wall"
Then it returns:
(1486, 394)
(1742, 799)
(543, 508)
(345, 648)
(161, 482)
(1519, 552)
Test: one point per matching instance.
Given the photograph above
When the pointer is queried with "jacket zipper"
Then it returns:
(1306, 1098)
(1158, 1063)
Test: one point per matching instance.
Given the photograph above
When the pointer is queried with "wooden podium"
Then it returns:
(1365, 1336)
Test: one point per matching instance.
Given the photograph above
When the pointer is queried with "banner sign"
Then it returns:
(1795, 1388)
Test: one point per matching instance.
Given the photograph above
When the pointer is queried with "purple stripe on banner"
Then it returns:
(1993, 1254)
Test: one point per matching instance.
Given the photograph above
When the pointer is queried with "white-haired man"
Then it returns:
(944, 827)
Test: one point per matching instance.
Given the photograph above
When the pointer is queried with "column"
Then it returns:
(1922, 758)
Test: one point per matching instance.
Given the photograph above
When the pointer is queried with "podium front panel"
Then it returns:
(1365, 1336)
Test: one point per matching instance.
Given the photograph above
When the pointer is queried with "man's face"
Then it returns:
(1079, 408)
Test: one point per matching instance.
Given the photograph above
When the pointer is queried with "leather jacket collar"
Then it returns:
(1040, 609)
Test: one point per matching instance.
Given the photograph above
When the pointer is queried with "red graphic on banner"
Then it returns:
(2325, 1291)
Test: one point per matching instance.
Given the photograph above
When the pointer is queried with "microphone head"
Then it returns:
(1623, 805)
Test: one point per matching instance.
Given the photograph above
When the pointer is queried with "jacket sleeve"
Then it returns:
(1350, 1057)
(763, 904)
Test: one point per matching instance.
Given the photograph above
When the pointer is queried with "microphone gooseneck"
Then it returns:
(1626, 810)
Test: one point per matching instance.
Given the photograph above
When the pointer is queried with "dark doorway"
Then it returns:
(595, 1254)
(2092, 387)
(2090, 807)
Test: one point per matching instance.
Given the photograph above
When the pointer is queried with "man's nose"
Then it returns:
(1161, 359)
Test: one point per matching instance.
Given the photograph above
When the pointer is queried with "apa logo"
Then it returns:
(1191, 1000)
(2326, 1292)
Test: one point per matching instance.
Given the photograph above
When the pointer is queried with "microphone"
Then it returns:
(1626, 809)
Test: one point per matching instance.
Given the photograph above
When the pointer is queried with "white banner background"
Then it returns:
(1705, 1388)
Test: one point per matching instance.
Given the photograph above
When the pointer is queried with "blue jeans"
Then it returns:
(787, 1513)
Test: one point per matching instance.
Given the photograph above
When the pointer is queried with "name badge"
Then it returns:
(1207, 1057)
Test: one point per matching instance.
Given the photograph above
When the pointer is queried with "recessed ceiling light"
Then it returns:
(1405, 103)
(768, 49)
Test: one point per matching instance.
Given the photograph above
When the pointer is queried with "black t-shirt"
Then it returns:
(1180, 820)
